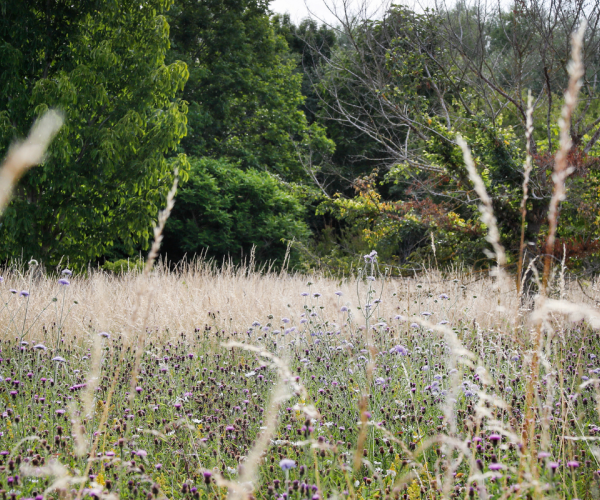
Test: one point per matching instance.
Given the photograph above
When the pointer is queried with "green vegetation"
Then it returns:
(338, 139)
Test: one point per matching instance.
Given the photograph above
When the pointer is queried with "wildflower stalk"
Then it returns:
(561, 172)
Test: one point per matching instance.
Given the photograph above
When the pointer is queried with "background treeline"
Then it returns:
(340, 139)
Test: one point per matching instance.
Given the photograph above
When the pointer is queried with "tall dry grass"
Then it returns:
(231, 298)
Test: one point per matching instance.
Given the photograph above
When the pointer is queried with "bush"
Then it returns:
(225, 211)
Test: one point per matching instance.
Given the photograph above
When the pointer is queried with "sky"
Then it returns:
(319, 9)
(322, 9)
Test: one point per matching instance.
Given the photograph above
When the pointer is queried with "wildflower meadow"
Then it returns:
(295, 387)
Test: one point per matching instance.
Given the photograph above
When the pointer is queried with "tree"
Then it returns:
(224, 211)
(244, 94)
(102, 63)
(411, 82)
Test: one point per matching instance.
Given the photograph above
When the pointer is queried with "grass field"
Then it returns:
(205, 384)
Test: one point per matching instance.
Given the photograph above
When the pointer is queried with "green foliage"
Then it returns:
(102, 64)
(225, 211)
(123, 266)
(244, 93)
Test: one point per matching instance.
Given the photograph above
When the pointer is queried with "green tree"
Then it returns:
(101, 62)
(244, 93)
(226, 211)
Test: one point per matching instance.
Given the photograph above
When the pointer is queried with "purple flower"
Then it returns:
(399, 350)
(495, 438)
(287, 464)
(285, 320)
(496, 466)
(40, 347)
(64, 282)
(59, 359)
(12, 290)
(444, 296)
(414, 325)
(543, 454)
(304, 294)
(573, 464)
(339, 294)
(24, 293)
(67, 272)
(141, 453)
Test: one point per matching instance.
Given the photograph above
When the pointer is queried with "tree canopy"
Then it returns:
(103, 64)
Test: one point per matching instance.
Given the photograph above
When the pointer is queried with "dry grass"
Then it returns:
(231, 299)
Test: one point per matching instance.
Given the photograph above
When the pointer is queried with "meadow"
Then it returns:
(225, 381)
(215, 383)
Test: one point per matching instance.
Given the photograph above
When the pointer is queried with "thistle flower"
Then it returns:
(287, 464)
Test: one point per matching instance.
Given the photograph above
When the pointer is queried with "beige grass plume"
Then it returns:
(22, 156)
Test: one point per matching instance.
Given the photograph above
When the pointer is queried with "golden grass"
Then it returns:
(232, 298)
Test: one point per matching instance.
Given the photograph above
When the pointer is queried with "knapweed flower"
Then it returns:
(495, 438)
(287, 464)
(543, 454)
(573, 464)
(64, 282)
(371, 257)
(24, 293)
(398, 349)
(496, 466)
(141, 453)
